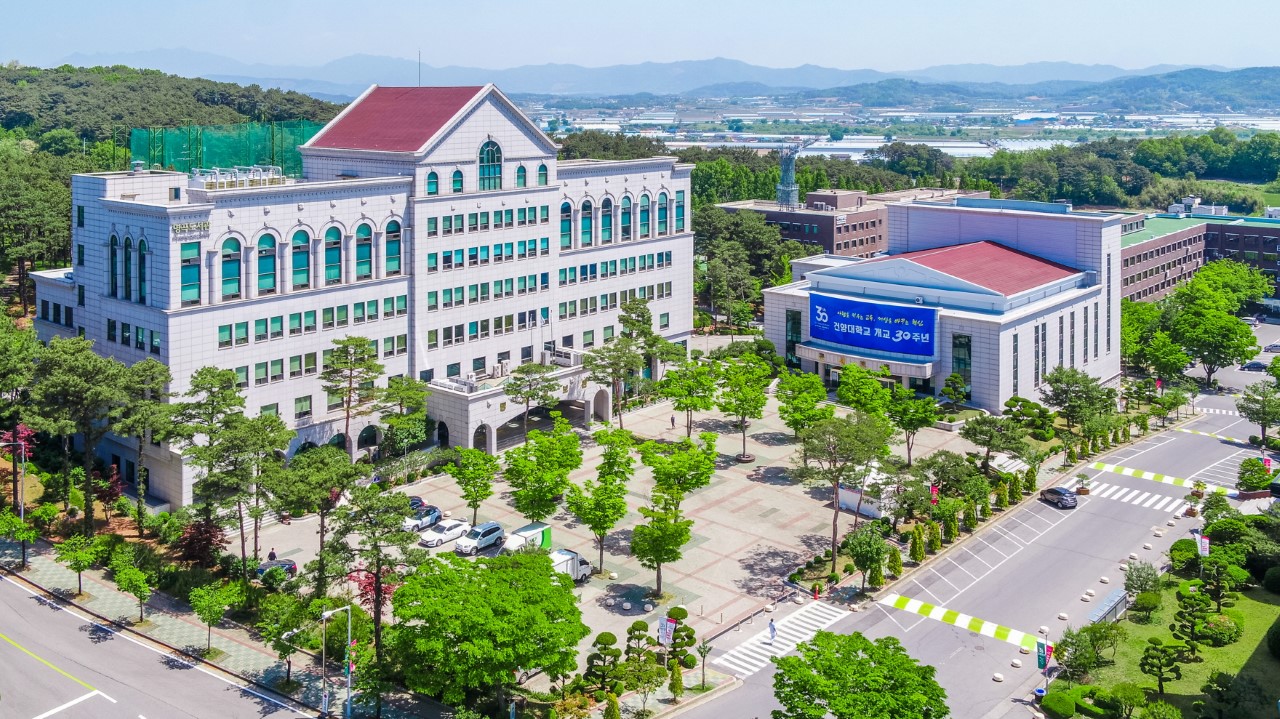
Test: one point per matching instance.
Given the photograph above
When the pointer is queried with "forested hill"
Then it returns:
(94, 102)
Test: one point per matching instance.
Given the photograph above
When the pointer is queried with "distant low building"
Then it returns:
(850, 223)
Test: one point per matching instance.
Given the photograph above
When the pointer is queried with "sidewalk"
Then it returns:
(174, 625)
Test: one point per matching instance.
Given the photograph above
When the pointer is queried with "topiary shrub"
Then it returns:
(1271, 580)
(832, 578)
(1059, 705)
(816, 588)
(849, 568)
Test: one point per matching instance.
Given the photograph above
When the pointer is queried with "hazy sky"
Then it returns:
(505, 33)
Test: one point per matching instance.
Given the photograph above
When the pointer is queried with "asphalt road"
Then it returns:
(1018, 573)
(56, 664)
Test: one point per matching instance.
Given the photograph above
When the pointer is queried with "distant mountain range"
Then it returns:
(346, 77)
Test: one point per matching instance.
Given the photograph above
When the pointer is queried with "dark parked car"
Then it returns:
(289, 566)
(1060, 496)
(416, 503)
(1254, 366)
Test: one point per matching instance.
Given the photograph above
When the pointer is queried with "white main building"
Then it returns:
(435, 221)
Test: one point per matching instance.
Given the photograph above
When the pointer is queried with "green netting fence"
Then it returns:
(205, 146)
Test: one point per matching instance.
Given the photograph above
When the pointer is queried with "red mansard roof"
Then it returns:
(990, 265)
(395, 119)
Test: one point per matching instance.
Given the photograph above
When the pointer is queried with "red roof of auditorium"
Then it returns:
(395, 119)
(990, 265)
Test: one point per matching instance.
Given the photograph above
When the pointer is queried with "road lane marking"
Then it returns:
(1015, 637)
(47, 663)
(957, 566)
(989, 544)
(938, 574)
(69, 704)
(975, 556)
(241, 687)
(1154, 498)
(1210, 434)
(1152, 476)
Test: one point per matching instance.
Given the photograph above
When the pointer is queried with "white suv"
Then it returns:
(481, 537)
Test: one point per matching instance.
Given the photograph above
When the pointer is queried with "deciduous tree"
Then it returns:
(847, 676)
(78, 553)
(661, 539)
(691, 387)
(842, 451)
(800, 400)
(862, 389)
(1260, 404)
(474, 470)
(538, 470)
(511, 612)
(601, 503)
(911, 414)
(210, 602)
(743, 381)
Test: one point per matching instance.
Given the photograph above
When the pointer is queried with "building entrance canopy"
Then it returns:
(838, 357)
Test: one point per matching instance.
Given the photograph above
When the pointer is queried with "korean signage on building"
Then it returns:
(872, 325)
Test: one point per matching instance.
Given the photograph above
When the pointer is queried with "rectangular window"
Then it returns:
(388, 346)
(402, 304)
(1035, 354)
(333, 401)
(125, 330)
(453, 370)
(342, 316)
(332, 264)
(295, 324)
(277, 370)
(1015, 364)
(433, 301)
(242, 377)
(79, 215)
(224, 336)
(242, 333)
(111, 330)
(1084, 318)
(588, 339)
(388, 307)
(392, 252)
(260, 375)
(309, 363)
(326, 318)
(358, 309)
(664, 320)
(302, 407)
(80, 255)
(1073, 338)
(1061, 339)
(309, 321)
(260, 330)
(1095, 330)
(433, 339)
(295, 366)
(190, 273)
(269, 410)
(277, 327)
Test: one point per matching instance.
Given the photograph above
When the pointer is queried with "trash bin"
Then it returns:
(1039, 695)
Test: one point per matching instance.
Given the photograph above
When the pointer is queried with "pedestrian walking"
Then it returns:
(271, 556)
(773, 631)
(673, 421)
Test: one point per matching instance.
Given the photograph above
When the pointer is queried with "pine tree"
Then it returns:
(935, 537)
(917, 544)
(895, 562)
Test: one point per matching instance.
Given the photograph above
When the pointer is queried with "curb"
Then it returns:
(703, 698)
(61, 601)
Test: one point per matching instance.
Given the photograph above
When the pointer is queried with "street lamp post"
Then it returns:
(324, 623)
(21, 495)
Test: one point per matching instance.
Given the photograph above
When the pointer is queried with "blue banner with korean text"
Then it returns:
(872, 326)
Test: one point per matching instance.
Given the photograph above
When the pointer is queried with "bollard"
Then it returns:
(721, 618)
(701, 607)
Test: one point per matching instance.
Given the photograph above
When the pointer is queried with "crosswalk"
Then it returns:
(1212, 410)
(1146, 500)
(754, 654)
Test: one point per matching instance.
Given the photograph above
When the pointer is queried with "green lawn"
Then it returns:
(1247, 656)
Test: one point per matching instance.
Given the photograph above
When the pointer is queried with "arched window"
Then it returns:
(626, 219)
(142, 272)
(606, 221)
(433, 183)
(662, 213)
(644, 216)
(128, 268)
(364, 252)
(114, 269)
(231, 270)
(333, 256)
(566, 226)
(584, 224)
(522, 176)
(392, 245)
(301, 261)
(542, 175)
(266, 265)
(457, 180)
(490, 166)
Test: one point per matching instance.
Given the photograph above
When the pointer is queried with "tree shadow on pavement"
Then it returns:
(764, 566)
(176, 660)
(772, 439)
(776, 476)
(97, 633)
(815, 543)
(618, 544)
(621, 592)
